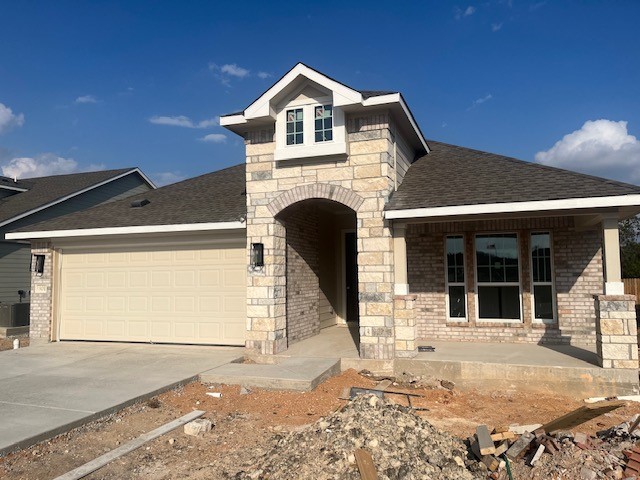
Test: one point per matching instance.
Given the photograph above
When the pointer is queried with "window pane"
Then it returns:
(456, 302)
(299, 114)
(499, 302)
(499, 252)
(541, 257)
(298, 138)
(543, 298)
(327, 123)
(484, 274)
(290, 139)
(318, 125)
(319, 136)
(289, 127)
(328, 135)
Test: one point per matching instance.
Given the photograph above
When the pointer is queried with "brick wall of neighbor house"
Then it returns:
(363, 181)
(41, 307)
(577, 264)
(303, 285)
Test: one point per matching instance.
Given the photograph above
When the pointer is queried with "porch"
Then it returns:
(570, 369)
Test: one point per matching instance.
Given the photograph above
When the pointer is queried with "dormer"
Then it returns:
(309, 111)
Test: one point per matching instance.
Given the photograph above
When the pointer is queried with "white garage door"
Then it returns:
(173, 294)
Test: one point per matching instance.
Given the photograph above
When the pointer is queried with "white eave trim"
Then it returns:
(93, 232)
(232, 120)
(13, 189)
(514, 207)
(79, 192)
(397, 98)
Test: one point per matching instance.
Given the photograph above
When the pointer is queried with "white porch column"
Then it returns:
(612, 269)
(401, 286)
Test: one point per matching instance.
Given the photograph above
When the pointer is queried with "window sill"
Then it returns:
(308, 151)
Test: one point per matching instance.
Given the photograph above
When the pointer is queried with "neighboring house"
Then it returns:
(33, 200)
(344, 213)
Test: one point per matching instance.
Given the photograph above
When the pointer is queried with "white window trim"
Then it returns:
(543, 321)
(497, 284)
(309, 147)
(464, 319)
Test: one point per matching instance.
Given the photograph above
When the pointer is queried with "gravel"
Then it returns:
(403, 446)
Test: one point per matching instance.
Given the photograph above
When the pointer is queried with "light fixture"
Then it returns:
(257, 254)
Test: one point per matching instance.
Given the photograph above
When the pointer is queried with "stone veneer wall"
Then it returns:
(41, 308)
(577, 263)
(362, 181)
(303, 269)
(617, 331)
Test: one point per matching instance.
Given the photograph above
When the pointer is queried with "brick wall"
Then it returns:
(41, 308)
(303, 269)
(577, 263)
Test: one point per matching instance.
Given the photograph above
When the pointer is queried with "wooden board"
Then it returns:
(582, 415)
(484, 440)
(365, 465)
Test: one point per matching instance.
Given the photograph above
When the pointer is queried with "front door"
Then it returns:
(351, 275)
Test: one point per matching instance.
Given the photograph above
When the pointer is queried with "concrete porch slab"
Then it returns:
(288, 373)
(50, 389)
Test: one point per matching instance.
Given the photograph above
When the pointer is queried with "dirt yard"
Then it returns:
(246, 421)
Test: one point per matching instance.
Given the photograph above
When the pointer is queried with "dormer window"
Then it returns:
(324, 123)
(295, 129)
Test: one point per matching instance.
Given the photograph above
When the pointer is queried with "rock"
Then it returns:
(588, 474)
(244, 391)
(172, 441)
(447, 384)
(198, 427)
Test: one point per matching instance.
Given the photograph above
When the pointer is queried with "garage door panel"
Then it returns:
(177, 294)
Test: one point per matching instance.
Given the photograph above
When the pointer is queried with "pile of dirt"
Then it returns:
(402, 445)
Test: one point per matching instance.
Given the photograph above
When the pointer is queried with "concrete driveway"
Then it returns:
(49, 389)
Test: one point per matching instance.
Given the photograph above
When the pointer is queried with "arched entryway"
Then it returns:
(321, 268)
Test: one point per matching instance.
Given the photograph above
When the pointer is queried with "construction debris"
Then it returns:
(198, 427)
(401, 445)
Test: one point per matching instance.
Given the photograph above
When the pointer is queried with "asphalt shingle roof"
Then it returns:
(44, 190)
(450, 175)
(213, 197)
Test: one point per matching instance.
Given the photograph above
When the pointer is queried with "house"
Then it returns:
(29, 201)
(343, 213)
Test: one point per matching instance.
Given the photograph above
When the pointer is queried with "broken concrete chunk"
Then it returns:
(198, 427)
(521, 446)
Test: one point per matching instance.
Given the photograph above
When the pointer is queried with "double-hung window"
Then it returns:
(456, 290)
(324, 123)
(295, 134)
(542, 277)
(498, 276)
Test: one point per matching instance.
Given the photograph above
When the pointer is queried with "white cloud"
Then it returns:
(40, 166)
(480, 101)
(467, 12)
(496, 26)
(214, 138)
(165, 178)
(229, 71)
(264, 75)
(8, 119)
(86, 99)
(234, 70)
(600, 147)
(183, 121)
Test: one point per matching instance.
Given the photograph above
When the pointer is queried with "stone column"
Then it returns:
(612, 269)
(41, 307)
(616, 331)
(401, 285)
(266, 289)
(405, 325)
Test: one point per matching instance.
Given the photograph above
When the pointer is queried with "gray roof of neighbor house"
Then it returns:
(214, 197)
(451, 176)
(42, 191)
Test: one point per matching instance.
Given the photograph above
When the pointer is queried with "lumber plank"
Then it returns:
(365, 464)
(537, 455)
(484, 440)
(582, 415)
(128, 447)
(503, 447)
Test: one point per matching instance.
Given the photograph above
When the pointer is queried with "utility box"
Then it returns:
(14, 314)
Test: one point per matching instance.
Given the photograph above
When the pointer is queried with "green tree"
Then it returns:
(630, 247)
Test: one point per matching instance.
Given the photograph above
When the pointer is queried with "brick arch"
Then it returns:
(315, 190)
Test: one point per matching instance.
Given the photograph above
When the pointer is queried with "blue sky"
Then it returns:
(108, 84)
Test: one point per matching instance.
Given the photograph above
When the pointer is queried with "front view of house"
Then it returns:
(344, 214)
